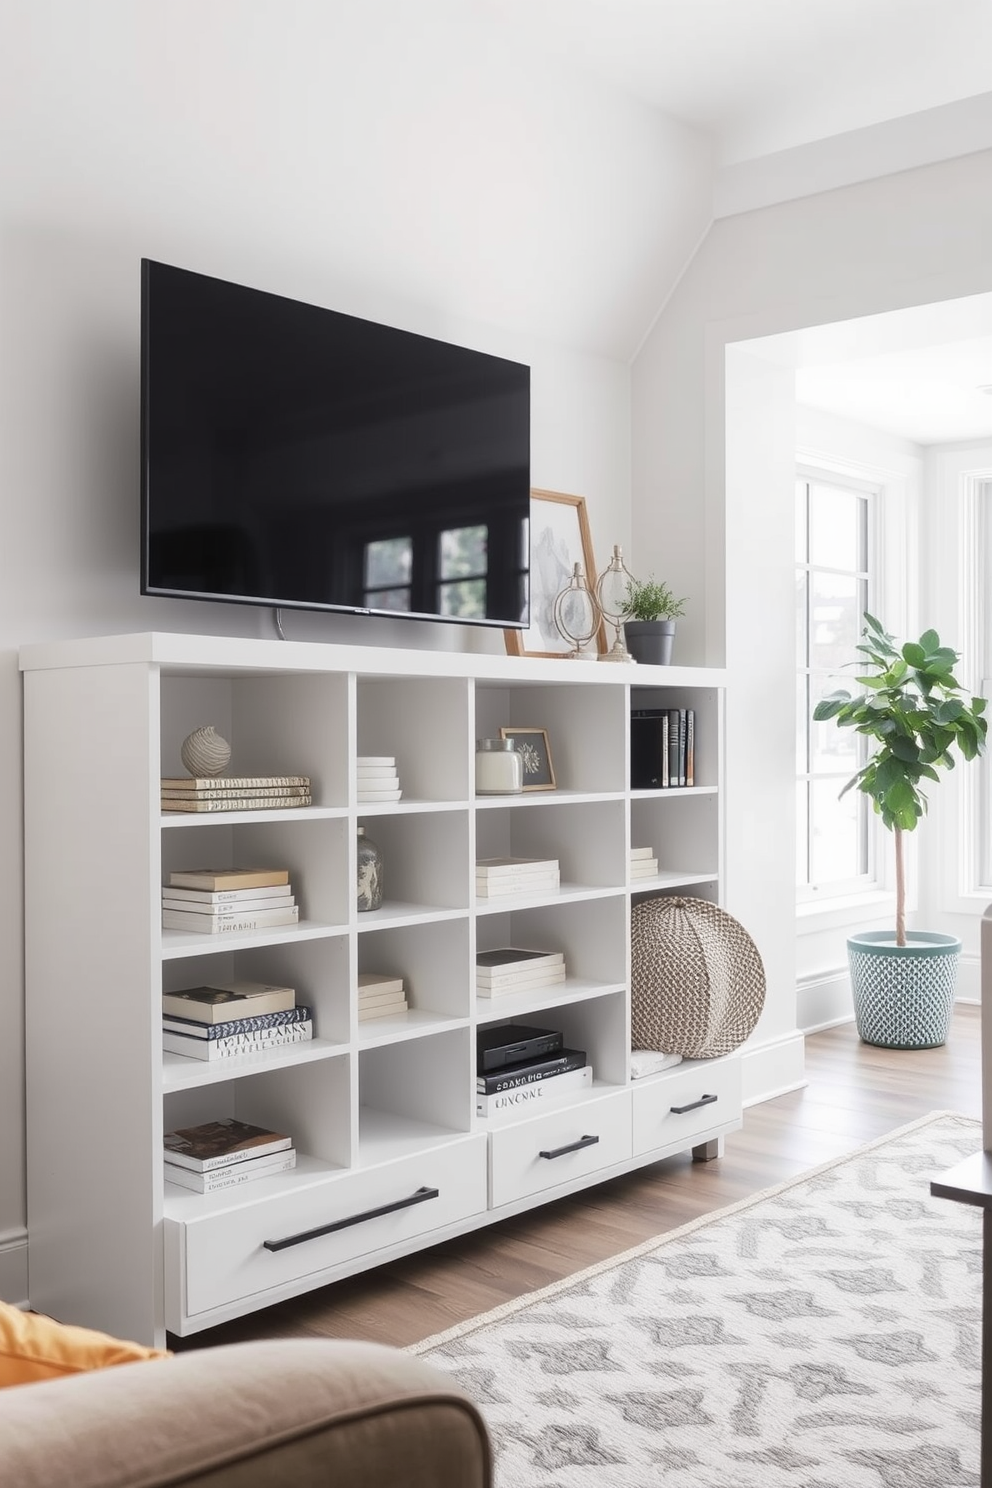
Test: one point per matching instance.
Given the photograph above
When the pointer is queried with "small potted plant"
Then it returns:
(914, 710)
(649, 613)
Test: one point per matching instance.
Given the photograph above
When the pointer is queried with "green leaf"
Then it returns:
(914, 654)
(930, 641)
(829, 707)
(905, 749)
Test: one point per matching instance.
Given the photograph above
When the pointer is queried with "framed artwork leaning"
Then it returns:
(559, 538)
(535, 746)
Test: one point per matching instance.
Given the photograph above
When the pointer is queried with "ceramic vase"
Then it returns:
(369, 873)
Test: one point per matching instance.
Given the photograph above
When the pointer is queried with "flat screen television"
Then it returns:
(294, 456)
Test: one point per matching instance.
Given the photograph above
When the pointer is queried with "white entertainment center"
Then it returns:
(392, 1156)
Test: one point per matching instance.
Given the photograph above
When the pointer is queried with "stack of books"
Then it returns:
(231, 1019)
(523, 1069)
(377, 778)
(235, 792)
(222, 1154)
(643, 863)
(380, 996)
(497, 876)
(512, 969)
(218, 901)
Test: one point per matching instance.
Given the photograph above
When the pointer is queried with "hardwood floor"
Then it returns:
(854, 1093)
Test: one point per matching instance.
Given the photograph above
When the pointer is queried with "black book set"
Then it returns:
(521, 1068)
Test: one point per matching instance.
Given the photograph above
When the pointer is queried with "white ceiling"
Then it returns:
(759, 76)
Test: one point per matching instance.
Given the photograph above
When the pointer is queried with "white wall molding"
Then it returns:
(14, 1266)
(944, 133)
(823, 1000)
(773, 1067)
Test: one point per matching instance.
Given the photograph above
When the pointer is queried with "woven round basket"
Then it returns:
(698, 982)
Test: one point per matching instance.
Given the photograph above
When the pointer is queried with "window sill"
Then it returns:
(812, 917)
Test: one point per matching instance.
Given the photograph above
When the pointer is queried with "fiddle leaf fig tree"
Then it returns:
(914, 709)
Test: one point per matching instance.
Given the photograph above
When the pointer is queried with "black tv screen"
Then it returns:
(296, 456)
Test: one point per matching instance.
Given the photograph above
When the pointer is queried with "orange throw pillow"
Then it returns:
(34, 1347)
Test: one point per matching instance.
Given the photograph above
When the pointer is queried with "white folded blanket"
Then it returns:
(650, 1061)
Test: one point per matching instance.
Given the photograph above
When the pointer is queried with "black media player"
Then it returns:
(510, 1043)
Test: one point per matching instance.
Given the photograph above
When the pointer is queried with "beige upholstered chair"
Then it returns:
(248, 1415)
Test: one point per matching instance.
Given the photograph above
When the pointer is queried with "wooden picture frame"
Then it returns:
(535, 746)
(559, 537)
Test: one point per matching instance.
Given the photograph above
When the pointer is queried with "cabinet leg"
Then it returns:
(707, 1151)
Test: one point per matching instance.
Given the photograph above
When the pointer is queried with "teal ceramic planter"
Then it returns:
(903, 995)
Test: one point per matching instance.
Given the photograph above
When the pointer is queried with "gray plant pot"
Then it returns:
(903, 995)
(650, 641)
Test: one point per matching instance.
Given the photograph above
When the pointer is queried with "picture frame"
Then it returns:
(535, 746)
(559, 537)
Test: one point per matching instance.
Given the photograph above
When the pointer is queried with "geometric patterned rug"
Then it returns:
(825, 1333)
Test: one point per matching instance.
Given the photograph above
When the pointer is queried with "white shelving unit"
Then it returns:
(392, 1156)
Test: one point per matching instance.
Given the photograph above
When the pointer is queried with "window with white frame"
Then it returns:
(833, 837)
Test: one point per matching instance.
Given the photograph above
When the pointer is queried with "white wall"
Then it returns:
(393, 161)
(907, 239)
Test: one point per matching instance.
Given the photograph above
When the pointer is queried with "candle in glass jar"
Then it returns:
(499, 768)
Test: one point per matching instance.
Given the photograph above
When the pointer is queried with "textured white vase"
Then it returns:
(205, 752)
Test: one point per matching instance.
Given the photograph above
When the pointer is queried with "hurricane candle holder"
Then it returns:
(611, 594)
(576, 612)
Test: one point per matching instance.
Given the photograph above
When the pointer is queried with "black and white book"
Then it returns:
(540, 1093)
(227, 1001)
(221, 1178)
(511, 1076)
(219, 1144)
(254, 1024)
(243, 1043)
(220, 924)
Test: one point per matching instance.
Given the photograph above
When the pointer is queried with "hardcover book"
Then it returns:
(229, 878)
(374, 981)
(511, 867)
(234, 1048)
(521, 981)
(248, 905)
(220, 792)
(234, 803)
(368, 1012)
(254, 1024)
(212, 898)
(511, 1076)
(220, 1178)
(216, 1144)
(222, 924)
(506, 957)
(524, 1098)
(232, 782)
(227, 1002)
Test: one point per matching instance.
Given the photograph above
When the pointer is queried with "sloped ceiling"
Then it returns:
(545, 166)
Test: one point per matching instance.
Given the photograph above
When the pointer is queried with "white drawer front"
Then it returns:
(519, 1166)
(676, 1107)
(225, 1254)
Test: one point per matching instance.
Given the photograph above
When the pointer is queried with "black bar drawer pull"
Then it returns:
(343, 1224)
(572, 1147)
(704, 1100)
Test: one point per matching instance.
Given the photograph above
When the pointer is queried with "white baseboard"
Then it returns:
(14, 1267)
(773, 1067)
(969, 984)
(824, 1000)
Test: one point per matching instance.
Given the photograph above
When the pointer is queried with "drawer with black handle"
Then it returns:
(682, 1104)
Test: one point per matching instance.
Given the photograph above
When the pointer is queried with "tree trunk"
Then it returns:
(900, 891)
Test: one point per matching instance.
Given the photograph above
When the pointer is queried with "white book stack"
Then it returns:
(380, 996)
(498, 876)
(643, 863)
(377, 778)
(266, 901)
(512, 969)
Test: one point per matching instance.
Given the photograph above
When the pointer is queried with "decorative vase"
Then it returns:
(650, 641)
(903, 995)
(369, 873)
(204, 752)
